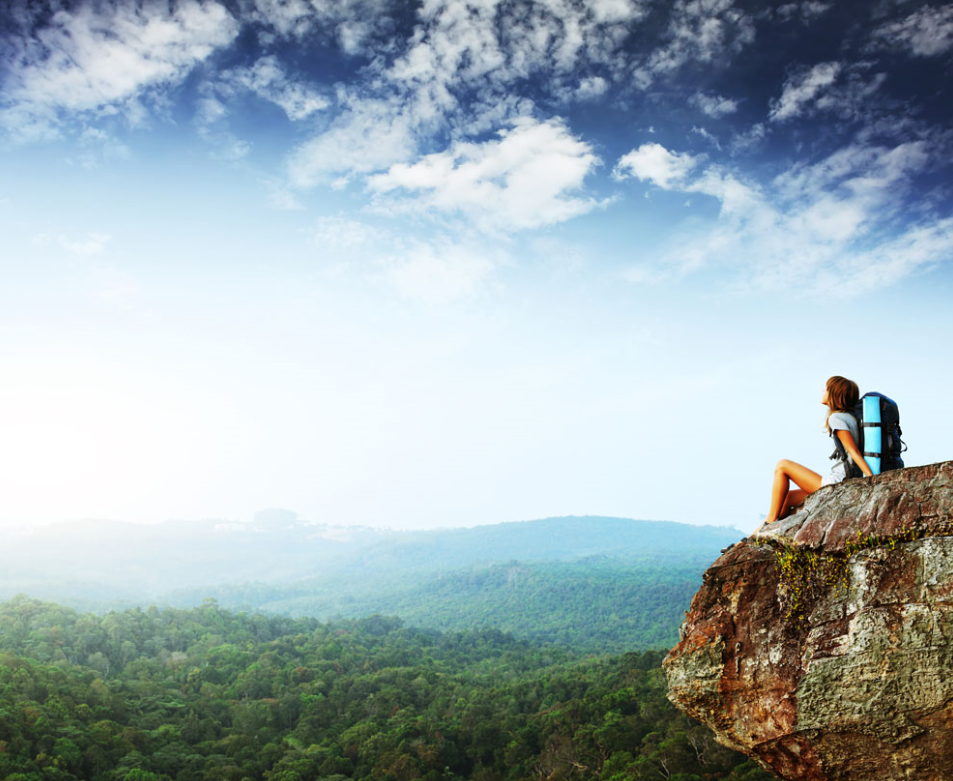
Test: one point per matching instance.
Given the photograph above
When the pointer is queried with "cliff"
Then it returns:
(824, 648)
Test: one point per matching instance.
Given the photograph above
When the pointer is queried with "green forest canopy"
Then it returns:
(206, 694)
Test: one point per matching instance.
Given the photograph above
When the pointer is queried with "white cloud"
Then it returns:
(102, 57)
(854, 97)
(654, 163)
(210, 110)
(291, 18)
(91, 244)
(736, 196)
(437, 271)
(615, 11)
(527, 178)
(282, 199)
(806, 11)
(861, 171)
(370, 136)
(817, 227)
(591, 88)
(354, 24)
(699, 31)
(802, 91)
(344, 233)
(928, 32)
(715, 106)
(919, 247)
(211, 122)
(267, 79)
(226, 145)
(456, 41)
(95, 147)
(709, 137)
(751, 137)
(350, 250)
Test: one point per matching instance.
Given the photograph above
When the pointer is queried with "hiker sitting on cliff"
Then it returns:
(840, 396)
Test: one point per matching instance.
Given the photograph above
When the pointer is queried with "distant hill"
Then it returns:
(593, 582)
(549, 539)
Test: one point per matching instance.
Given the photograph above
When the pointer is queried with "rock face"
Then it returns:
(824, 649)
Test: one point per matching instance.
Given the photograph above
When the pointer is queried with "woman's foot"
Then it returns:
(764, 523)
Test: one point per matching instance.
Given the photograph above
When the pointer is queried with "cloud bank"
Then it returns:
(834, 227)
(493, 116)
(105, 58)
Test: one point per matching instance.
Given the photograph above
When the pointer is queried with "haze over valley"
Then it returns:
(588, 582)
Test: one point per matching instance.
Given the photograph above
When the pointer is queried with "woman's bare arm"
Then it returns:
(851, 447)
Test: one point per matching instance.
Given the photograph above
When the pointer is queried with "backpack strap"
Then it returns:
(883, 438)
(840, 454)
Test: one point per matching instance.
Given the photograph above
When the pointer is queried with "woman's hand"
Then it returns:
(851, 447)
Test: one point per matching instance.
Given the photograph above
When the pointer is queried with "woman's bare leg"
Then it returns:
(785, 473)
(795, 498)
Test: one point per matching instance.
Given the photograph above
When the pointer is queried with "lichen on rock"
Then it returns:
(824, 647)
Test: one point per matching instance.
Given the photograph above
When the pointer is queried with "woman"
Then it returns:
(840, 395)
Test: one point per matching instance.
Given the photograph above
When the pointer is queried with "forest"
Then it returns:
(596, 604)
(206, 694)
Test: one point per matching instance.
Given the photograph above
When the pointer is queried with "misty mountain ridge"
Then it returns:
(279, 547)
(586, 577)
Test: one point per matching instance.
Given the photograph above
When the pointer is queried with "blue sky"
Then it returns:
(450, 263)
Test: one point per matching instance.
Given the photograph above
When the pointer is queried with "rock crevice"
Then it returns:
(824, 648)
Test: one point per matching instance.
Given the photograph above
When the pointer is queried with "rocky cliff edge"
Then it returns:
(824, 647)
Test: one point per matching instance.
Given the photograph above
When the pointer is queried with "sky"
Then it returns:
(456, 262)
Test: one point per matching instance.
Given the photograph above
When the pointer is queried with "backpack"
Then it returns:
(891, 444)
